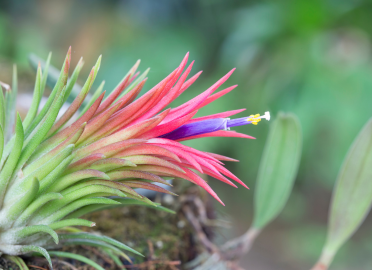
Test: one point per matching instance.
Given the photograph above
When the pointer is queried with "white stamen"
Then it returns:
(266, 116)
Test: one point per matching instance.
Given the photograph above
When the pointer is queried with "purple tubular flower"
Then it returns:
(197, 128)
(210, 125)
(238, 122)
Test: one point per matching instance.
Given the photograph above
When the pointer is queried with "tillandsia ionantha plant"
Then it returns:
(55, 169)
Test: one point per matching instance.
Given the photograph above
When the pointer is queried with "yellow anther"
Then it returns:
(254, 119)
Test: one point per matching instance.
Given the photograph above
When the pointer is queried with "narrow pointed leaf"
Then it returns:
(54, 175)
(1, 141)
(30, 230)
(95, 96)
(42, 251)
(76, 257)
(123, 202)
(76, 205)
(15, 205)
(35, 100)
(94, 243)
(100, 238)
(40, 131)
(11, 162)
(352, 194)
(71, 222)
(70, 179)
(58, 88)
(35, 206)
(74, 195)
(45, 74)
(72, 86)
(278, 168)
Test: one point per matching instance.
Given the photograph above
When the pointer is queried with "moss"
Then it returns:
(158, 235)
(143, 229)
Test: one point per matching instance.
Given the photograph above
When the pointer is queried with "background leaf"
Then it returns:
(278, 168)
(352, 195)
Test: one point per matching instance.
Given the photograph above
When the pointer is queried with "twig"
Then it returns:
(199, 205)
(228, 255)
(199, 231)
(151, 249)
(239, 246)
(38, 267)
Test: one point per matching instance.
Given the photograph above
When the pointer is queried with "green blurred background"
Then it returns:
(312, 58)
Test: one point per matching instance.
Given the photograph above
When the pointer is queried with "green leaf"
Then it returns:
(72, 81)
(18, 261)
(70, 179)
(27, 249)
(115, 258)
(30, 230)
(40, 131)
(102, 238)
(41, 168)
(1, 141)
(71, 222)
(60, 86)
(76, 257)
(60, 214)
(35, 100)
(51, 74)
(15, 205)
(34, 206)
(123, 202)
(95, 243)
(77, 101)
(45, 74)
(40, 173)
(109, 164)
(278, 168)
(96, 94)
(2, 109)
(46, 151)
(12, 160)
(352, 194)
(76, 195)
(54, 175)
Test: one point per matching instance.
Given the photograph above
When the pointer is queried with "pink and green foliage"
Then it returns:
(55, 169)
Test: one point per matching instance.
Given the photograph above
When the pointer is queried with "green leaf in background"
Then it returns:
(52, 75)
(352, 196)
(278, 168)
